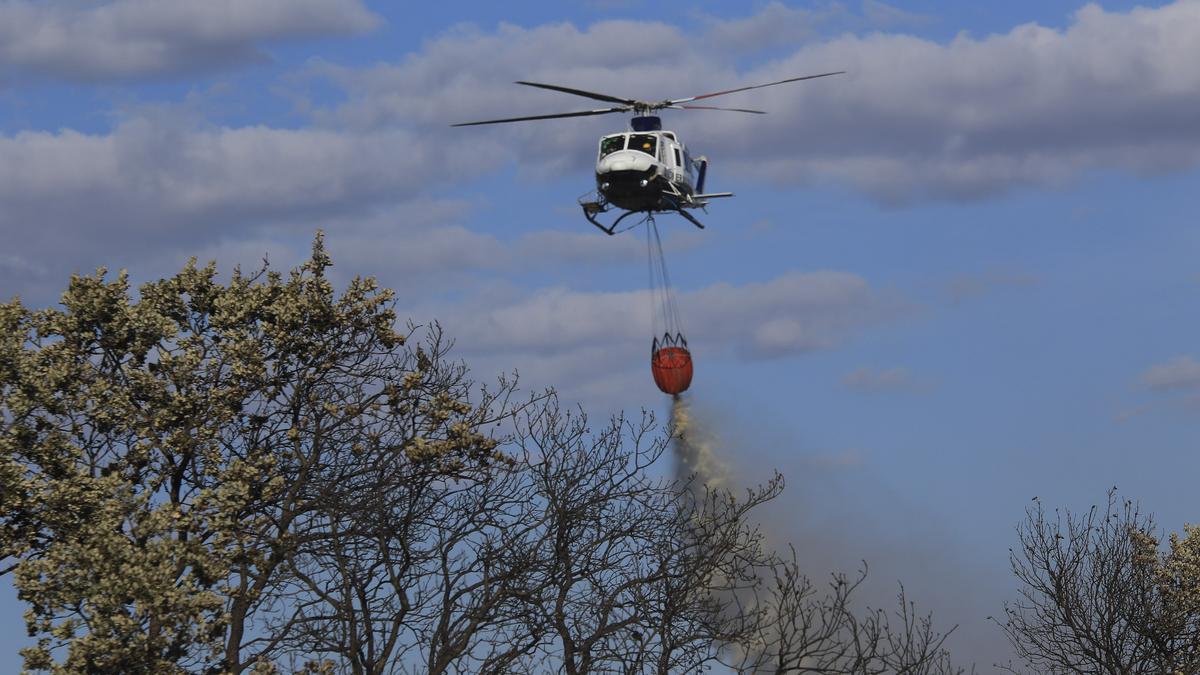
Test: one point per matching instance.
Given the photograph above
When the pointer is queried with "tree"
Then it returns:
(635, 574)
(801, 629)
(1099, 595)
(565, 557)
(165, 457)
(418, 570)
(258, 475)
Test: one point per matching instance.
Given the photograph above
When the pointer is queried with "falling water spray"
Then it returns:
(698, 466)
(695, 452)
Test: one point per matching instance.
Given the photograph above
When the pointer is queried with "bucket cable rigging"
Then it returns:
(670, 359)
(666, 319)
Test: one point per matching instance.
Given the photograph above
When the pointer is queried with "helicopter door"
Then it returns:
(672, 158)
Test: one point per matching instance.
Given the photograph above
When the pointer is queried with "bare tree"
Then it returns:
(804, 629)
(1099, 596)
(410, 556)
(634, 570)
(563, 554)
(570, 556)
(421, 568)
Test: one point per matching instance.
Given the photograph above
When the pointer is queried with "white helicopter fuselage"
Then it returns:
(645, 171)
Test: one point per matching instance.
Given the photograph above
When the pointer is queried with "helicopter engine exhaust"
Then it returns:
(646, 123)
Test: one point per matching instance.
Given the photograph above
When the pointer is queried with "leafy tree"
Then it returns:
(164, 457)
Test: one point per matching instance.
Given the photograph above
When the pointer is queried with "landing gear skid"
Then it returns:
(690, 218)
(592, 209)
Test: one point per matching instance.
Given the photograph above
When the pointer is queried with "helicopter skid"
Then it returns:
(591, 209)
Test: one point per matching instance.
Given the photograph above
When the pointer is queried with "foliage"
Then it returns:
(164, 456)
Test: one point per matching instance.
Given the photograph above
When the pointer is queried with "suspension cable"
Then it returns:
(663, 301)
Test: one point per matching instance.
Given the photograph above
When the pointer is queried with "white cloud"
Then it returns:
(1182, 372)
(126, 39)
(176, 175)
(73, 201)
(1035, 106)
(774, 25)
(914, 119)
(596, 346)
(413, 257)
(777, 24)
(793, 313)
(160, 184)
(468, 74)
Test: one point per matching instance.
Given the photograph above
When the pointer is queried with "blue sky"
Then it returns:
(958, 277)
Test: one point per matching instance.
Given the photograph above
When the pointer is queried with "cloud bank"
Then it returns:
(596, 345)
(132, 39)
(913, 120)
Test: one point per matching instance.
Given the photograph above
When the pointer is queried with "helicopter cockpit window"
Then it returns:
(611, 144)
(647, 143)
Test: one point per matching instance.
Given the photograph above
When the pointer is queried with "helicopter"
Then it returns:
(644, 169)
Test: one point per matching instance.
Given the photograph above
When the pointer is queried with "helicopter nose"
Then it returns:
(625, 160)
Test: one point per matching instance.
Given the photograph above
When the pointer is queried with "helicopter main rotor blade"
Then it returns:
(756, 86)
(582, 113)
(710, 107)
(579, 92)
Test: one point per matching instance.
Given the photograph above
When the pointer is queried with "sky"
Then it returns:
(958, 277)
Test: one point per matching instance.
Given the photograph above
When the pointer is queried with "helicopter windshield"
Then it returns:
(611, 144)
(647, 143)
